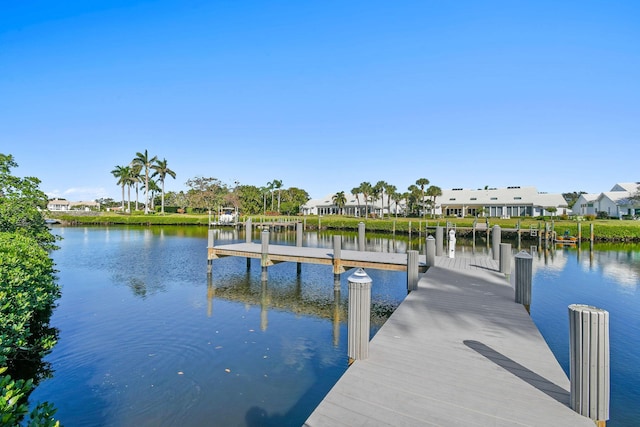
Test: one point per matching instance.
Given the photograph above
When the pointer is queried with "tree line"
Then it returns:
(206, 194)
(419, 198)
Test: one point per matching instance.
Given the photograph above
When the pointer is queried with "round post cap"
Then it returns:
(360, 276)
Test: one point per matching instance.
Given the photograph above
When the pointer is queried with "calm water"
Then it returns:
(147, 340)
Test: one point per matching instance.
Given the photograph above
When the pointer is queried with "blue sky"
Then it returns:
(323, 94)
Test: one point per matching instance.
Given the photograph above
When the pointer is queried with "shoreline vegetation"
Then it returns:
(604, 230)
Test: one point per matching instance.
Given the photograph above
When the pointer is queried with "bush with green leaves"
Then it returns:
(28, 292)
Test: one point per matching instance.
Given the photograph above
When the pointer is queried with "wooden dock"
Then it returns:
(348, 258)
(457, 352)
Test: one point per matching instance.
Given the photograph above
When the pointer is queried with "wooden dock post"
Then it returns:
(579, 232)
(505, 259)
(439, 243)
(496, 238)
(248, 230)
(336, 314)
(361, 236)
(524, 275)
(431, 251)
(299, 237)
(359, 316)
(591, 231)
(589, 362)
(337, 251)
(264, 259)
(210, 246)
(412, 270)
(248, 234)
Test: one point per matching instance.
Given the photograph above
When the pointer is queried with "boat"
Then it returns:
(566, 239)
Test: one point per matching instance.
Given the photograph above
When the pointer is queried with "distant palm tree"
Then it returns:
(270, 186)
(145, 161)
(153, 189)
(277, 184)
(397, 198)
(161, 170)
(356, 192)
(433, 192)
(390, 189)
(340, 199)
(122, 174)
(135, 178)
(422, 182)
(366, 189)
(379, 189)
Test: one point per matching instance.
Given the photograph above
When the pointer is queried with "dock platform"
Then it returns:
(348, 258)
(458, 351)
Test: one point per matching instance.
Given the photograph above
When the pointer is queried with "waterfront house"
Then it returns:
(355, 206)
(59, 205)
(494, 202)
(506, 202)
(619, 201)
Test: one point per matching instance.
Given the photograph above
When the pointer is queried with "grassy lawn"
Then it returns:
(604, 229)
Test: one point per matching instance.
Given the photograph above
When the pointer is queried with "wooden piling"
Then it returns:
(337, 250)
(210, 242)
(299, 237)
(264, 258)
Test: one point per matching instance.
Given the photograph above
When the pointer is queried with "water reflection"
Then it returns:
(147, 338)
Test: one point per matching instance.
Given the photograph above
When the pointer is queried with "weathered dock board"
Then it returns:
(348, 258)
(457, 352)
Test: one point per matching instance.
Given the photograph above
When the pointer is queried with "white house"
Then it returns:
(355, 206)
(499, 202)
(494, 202)
(586, 204)
(616, 203)
(65, 205)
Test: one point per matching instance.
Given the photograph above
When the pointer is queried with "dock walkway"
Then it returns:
(458, 351)
(348, 258)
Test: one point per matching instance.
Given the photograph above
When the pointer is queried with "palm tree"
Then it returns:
(122, 174)
(153, 189)
(422, 182)
(270, 186)
(379, 190)
(433, 192)
(146, 163)
(390, 189)
(339, 199)
(366, 189)
(132, 180)
(264, 191)
(356, 192)
(277, 184)
(397, 198)
(161, 170)
(135, 178)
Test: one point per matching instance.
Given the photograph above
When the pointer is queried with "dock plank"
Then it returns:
(457, 352)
